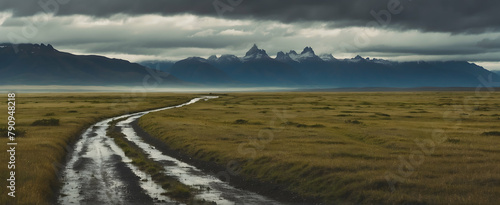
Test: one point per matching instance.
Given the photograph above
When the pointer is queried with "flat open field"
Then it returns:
(41, 150)
(409, 147)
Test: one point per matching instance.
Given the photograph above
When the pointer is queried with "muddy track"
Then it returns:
(98, 172)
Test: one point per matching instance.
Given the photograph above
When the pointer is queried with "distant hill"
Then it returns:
(199, 70)
(164, 66)
(35, 64)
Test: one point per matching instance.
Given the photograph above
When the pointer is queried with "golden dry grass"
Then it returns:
(41, 152)
(342, 147)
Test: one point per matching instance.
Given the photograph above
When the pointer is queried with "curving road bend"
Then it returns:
(98, 172)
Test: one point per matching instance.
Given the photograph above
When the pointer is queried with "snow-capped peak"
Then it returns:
(308, 51)
(212, 58)
(228, 59)
(255, 54)
(327, 57)
(293, 55)
(281, 56)
(381, 61)
(356, 59)
(306, 55)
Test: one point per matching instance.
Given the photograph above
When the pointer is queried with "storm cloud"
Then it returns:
(454, 16)
(401, 30)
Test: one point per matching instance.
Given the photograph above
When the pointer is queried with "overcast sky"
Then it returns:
(405, 30)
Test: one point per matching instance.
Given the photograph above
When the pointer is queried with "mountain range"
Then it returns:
(40, 64)
(306, 69)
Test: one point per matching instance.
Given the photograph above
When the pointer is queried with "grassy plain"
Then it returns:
(401, 148)
(42, 149)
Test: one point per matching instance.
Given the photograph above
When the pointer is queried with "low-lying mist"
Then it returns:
(132, 89)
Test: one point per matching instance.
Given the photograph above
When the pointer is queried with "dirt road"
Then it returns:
(98, 172)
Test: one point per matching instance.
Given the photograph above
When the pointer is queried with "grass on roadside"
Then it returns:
(343, 154)
(41, 150)
(174, 189)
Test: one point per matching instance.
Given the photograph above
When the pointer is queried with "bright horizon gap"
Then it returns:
(131, 89)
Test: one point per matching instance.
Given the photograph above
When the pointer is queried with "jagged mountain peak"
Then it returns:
(255, 54)
(254, 47)
(227, 58)
(358, 57)
(308, 50)
(327, 57)
(48, 47)
(254, 50)
(212, 58)
(306, 55)
(27, 48)
(280, 55)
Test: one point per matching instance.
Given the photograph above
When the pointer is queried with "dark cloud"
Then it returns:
(436, 51)
(152, 47)
(489, 43)
(13, 22)
(455, 16)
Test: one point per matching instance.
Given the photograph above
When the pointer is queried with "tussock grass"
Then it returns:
(492, 133)
(241, 121)
(345, 162)
(382, 114)
(41, 150)
(18, 132)
(356, 122)
(46, 122)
